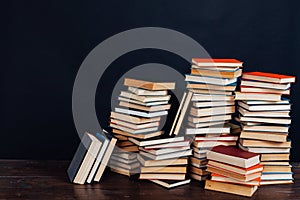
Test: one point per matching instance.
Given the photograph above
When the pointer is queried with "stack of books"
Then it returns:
(233, 170)
(212, 82)
(164, 161)
(138, 116)
(91, 158)
(264, 115)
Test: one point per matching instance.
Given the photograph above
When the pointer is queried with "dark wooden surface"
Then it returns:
(22, 179)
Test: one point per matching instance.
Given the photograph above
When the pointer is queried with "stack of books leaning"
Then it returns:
(164, 160)
(212, 82)
(265, 117)
(91, 157)
(233, 170)
(138, 117)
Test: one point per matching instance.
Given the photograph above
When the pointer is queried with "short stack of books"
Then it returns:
(91, 158)
(264, 115)
(164, 161)
(212, 82)
(141, 110)
(233, 170)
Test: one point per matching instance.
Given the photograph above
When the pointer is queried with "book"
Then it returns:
(143, 92)
(209, 62)
(276, 182)
(133, 119)
(122, 171)
(134, 131)
(213, 143)
(212, 111)
(144, 99)
(167, 155)
(268, 136)
(217, 73)
(217, 138)
(243, 190)
(277, 168)
(276, 176)
(246, 113)
(233, 175)
(169, 145)
(233, 156)
(134, 126)
(84, 159)
(262, 150)
(155, 141)
(210, 80)
(106, 157)
(230, 87)
(269, 107)
(266, 128)
(150, 162)
(212, 97)
(164, 150)
(266, 120)
(199, 177)
(257, 96)
(275, 163)
(220, 178)
(171, 184)
(153, 103)
(138, 136)
(268, 77)
(216, 68)
(104, 140)
(264, 90)
(244, 171)
(261, 143)
(204, 104)
(149, 85)
(213, 118)
(164, 169)
(250, 83)
(208, 130)
(198, 171)
(272, 157)
(212, 92)
(145, 108)
(141, 114)
(205, 124)
(162, 176)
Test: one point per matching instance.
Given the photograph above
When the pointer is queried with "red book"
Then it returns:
(233, 156)
(269, 77)
(217, 62)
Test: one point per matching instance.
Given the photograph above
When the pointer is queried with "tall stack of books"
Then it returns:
(164, 161)
(264, 115)
(91, 157)
(141, 110)
(212, 82)
(233, 170)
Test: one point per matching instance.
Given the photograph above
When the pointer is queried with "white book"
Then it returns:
(209, 130)
(210, 80)
(143, 92)
(141, 114)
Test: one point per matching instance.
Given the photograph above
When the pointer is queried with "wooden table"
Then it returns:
(42, 180)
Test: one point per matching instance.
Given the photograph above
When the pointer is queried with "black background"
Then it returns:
(43, 44)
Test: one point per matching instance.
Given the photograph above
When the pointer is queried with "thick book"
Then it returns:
(276, 176)
(212, 143)
(202, 112)
(264, 90)
(171, 184)
(212, 62)
(164, 150)
(134, 131)
(233, 156)
(261, 143)
(272, 136)
(246, 113)
(271, 120)
(264, 107)
(149, 85)
(164, 169)
(152, 103)
(239, 170)
(212, 97)
(268, 77)
(204, 86)
(274, 157)
(206, 119)
(208, 130)
(167, 155)
(232, 188)
(162, 176)
(84, 159)
(134, 126)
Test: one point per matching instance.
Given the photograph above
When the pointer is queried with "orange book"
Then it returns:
(269, 77)
(220, 178)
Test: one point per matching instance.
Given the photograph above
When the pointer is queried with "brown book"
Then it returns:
(149, 162)
(243, 190)
(271, 136)
(163, 176)
(274, 156)
(149, 85)
(277, 168)
(261, 143)
(198, 177)
(198, 171)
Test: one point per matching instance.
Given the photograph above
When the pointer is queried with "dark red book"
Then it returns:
(233, 156)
